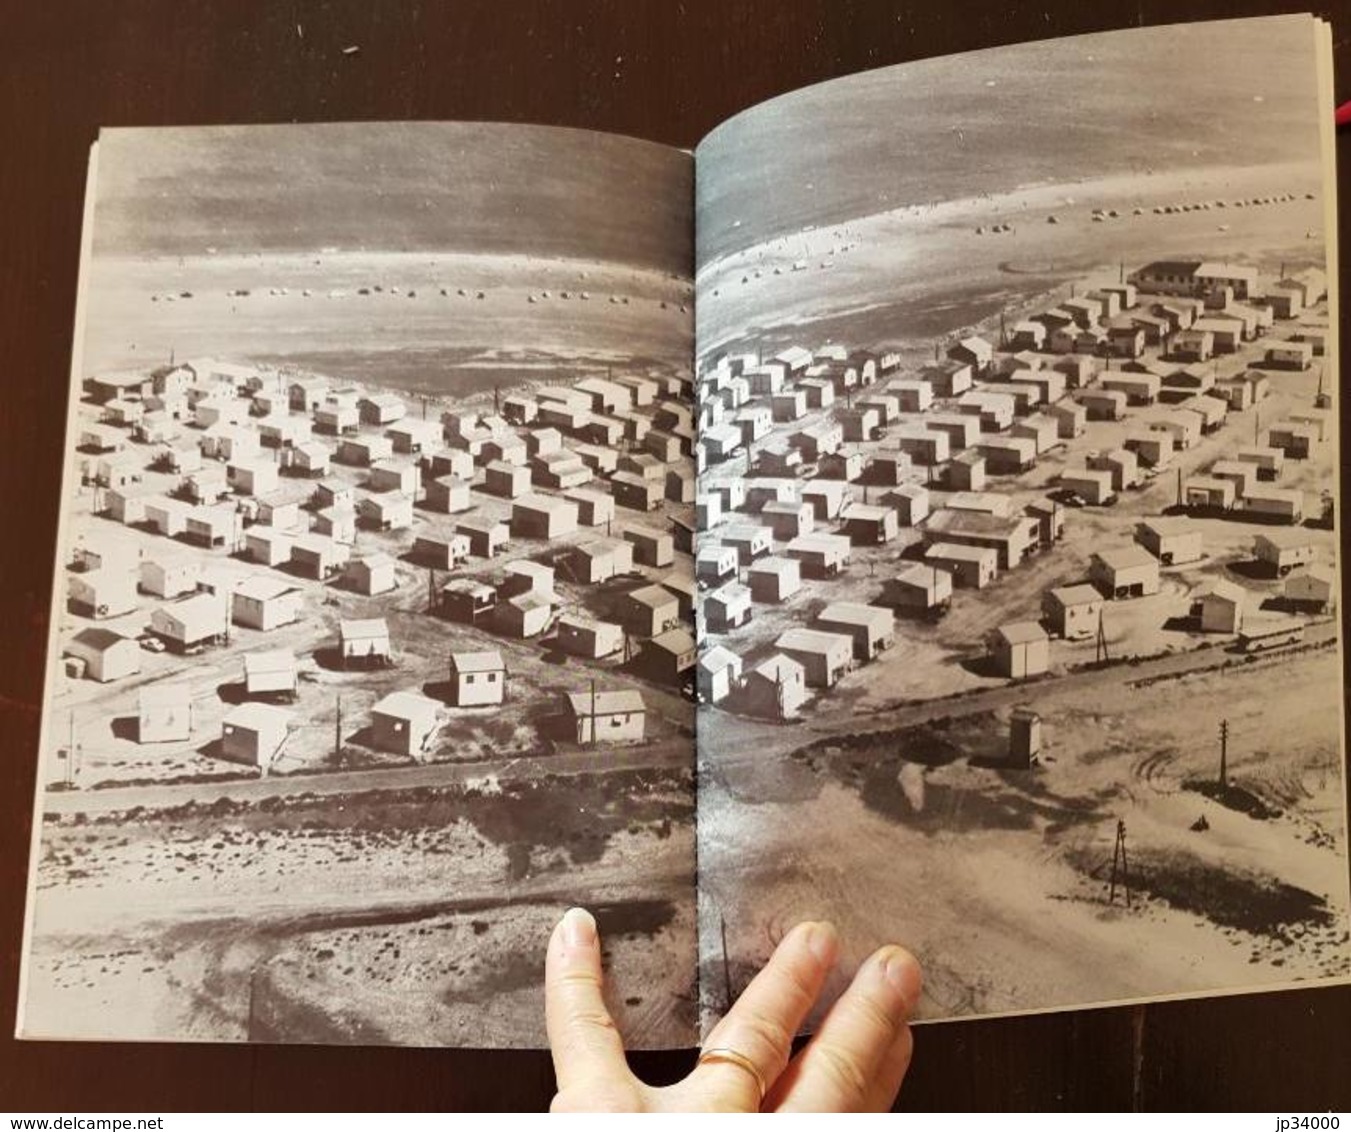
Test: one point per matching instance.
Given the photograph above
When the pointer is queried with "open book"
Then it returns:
(914, 508)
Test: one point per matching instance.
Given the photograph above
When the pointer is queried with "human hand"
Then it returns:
(854, 1063)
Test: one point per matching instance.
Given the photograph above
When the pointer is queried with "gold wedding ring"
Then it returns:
(740, 1060)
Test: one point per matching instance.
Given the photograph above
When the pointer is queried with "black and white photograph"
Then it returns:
(915, 508)
(1017, 512)
(373, 643)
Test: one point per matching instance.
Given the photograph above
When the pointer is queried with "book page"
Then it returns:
(1017, 514)
(372, 605)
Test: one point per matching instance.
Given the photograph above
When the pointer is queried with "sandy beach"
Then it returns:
(436, 323)
(923, 272)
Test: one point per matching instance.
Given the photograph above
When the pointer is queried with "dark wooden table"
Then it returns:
(667, 71)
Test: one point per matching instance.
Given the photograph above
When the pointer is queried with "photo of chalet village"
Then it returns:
(1018, 529)
(375, 641)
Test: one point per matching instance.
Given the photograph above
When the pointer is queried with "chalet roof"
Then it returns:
(1125, 557)
(1225, 270)
(1283, 540)
(733, 593)
(813, 641)
(916, 574)
(408, 706)
(674, 641)
(855, 613)
(717, 658)
(778, 669)
(624, 702)
(774, 566)
(1082, 594)
(489, 660)
(654, 597)
(1224, 590)
(1021, 633)
(263, 587)
(958, 552)
(257, 717)
(1170, 267)
(269, 662)
(363, 629)
(371, 562)
(98, 639)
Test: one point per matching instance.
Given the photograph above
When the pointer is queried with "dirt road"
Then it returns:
(120, 799)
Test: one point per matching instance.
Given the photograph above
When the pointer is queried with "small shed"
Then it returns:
(1220, 607)
(825, 657)
(106, 592)
(265, 602)
(477, 679)
(918, 589)
(254, 733)
(440, 551)
(1128, 571)
(1172, 541)
(524, 615)
(774, 579)
(776, 688)
(191, 624)
(105, 655)
(371, 574)
(271, 672)
(669, 655)
(727, 607)
(1073, 612)
(403, 723)
(651, 548)
(870, 627)
(650, 610)
(164, 713)
(363, 642)
(718, 673)
(971, 567)
(543, 517)
(1313, 590)
(168, 575)
(585, 637)
(1020, 649)
(607, 717)
(463, 599)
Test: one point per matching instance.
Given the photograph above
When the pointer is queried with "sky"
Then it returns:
(1186, 95)
(465, 187)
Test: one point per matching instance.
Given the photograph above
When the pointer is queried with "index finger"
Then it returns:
(583, 1038)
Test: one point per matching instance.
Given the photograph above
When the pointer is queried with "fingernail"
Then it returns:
(579, 927)
(823, 942)
(901, 970)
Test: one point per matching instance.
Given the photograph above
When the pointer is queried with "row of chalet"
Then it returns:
(843, 635)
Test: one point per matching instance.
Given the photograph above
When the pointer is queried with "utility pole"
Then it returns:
(1100, 651)
(1224, 753)
(1179, 487)
(593, 698)
(726, 966)
(1120, 866)
(337, 732)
